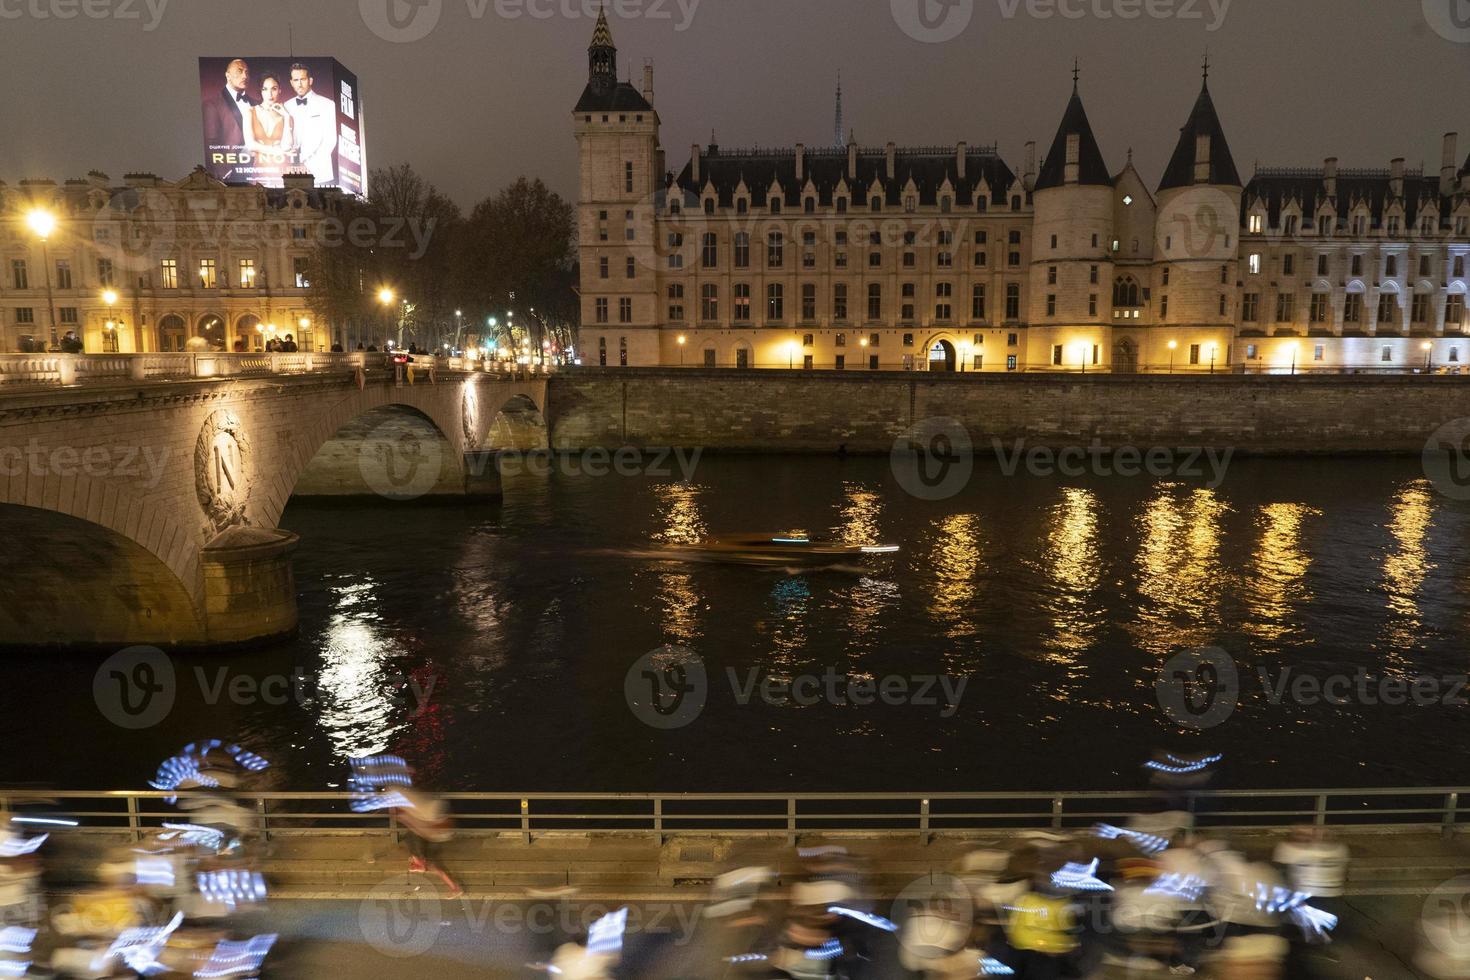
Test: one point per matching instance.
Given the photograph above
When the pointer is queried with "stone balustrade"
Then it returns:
(74, 369)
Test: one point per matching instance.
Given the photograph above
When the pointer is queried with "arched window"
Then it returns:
(1126, 298)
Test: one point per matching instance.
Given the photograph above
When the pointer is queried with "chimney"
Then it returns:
(298, 180)
(1028, 179)
(960, 152)
(1074, 159)
(1329, 176)
(1447, 164)
(1396, 177)
(694, 164)
(1202, 158)
(851, 159)
(801, 161)
(648, 81)
(890, 158)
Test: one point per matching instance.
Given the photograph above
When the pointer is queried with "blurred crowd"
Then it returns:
(1149, 896)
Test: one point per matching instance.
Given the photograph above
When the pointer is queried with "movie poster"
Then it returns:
(265, 117)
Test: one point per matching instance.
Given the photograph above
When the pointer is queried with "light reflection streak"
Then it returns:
(870, 598)
(1278, 587)
(1407, 566)
(355, 710)
(1074, 565)
(957, 564)
(680, 522)
(1180, 574)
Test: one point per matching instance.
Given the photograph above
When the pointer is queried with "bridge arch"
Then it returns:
(518, 425)
(68, 581)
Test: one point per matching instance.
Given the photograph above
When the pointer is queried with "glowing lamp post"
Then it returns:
(43, 223)
(1082, 356)
(1214, 350)
(791, 355)
(1428, 350)
(1173, 346)
(682, 340)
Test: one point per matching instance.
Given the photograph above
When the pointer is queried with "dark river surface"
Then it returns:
(490, 644)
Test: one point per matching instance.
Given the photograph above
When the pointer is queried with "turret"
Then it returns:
(1071, 269)
(1196, 243)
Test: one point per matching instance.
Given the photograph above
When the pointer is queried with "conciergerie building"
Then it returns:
(945, 258)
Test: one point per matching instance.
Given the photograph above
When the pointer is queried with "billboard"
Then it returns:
(266, 117)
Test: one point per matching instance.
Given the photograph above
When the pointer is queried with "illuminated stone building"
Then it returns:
(176, 259)
(945, 258)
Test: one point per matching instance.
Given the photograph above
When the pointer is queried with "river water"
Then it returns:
(491, 644)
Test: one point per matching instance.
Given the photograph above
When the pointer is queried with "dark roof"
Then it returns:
(1091, 169)
(1278, 187)
(622, 97)
(1466, 168)
(928, 167)
(1202, 121)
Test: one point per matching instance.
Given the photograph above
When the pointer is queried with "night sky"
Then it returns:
(483, 99)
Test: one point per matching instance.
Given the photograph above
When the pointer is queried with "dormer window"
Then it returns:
(775, 205)
(741, 205)
(1256, 224)
(1291, 224)
(809, 205)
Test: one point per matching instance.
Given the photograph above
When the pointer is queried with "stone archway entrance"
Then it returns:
(172, 333)
(1125, 357)
(942, 356)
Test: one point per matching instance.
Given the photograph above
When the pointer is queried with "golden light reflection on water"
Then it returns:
(1277, 589)
(1406, 567)
(1074, 565)
(1179, 568)
(861, 510)
(356, 712)
(679, 519)
(956, 562)
(680, 522)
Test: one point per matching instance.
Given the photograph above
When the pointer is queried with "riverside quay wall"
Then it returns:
(868, 411)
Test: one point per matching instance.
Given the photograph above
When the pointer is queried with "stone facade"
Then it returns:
(944, 258)
(192, 258)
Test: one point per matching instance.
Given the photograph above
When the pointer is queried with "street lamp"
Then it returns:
(109, 296)
(1428, 350)
(1214, 349)
(43, 223)
(682, 338)
(1294, 348)
(964, 356)
(1082, 356)
(791, 354)
(1173, 346)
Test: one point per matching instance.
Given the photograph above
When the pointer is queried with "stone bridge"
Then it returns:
(140, 494)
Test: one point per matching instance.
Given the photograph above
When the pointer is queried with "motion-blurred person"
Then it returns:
(1178, 776)
(1042, 931)
(1315, 864)
(429, 827)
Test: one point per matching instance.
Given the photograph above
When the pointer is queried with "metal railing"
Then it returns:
(528, 815)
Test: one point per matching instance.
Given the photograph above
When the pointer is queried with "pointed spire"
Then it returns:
(1201, 134)
(1090, 167)
(602, 55)
(837, 128)
(601, 33)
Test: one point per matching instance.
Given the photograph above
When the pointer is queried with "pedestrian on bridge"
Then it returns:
(429, 827)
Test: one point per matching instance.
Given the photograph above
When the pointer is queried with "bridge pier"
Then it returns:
(249, 588)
